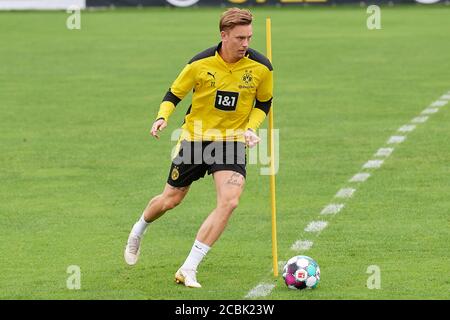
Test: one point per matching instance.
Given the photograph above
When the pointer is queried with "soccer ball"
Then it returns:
(301, 272)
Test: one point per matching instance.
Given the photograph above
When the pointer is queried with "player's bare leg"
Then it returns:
(229, 186)
(168, 199)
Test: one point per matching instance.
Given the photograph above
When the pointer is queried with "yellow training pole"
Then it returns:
(272, 160)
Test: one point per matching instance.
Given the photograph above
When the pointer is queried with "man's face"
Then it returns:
(237, 40)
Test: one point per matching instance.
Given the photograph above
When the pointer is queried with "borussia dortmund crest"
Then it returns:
(247, 77)
(175, 173)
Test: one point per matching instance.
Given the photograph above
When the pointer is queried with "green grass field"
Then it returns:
(77, 163)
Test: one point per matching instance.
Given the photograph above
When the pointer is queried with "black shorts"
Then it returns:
(195, 158)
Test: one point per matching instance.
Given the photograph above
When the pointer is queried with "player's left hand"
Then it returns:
(251, 139)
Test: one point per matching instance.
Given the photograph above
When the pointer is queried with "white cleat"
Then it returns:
(187, 277)
(132, 250)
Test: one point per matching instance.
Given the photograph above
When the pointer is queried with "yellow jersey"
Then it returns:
(227, 98)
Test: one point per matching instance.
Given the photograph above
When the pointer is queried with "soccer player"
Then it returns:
(232, 94)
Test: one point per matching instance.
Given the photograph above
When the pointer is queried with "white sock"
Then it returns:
(140, 227)
(198, 252)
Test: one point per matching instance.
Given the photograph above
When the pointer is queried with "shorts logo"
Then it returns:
(175, 173)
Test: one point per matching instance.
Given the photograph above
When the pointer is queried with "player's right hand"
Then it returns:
(158, 125)
(251, 139)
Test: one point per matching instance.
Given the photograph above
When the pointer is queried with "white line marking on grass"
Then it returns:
(373, 164)
(430, 110)
(264, 289)
(281, 265)
(440, 103)
(302, 245)
(316, 226)
(261, 290)
(332, 208)
(384, 152)
(345, 193)
(360, 177)
(407, 128)
(396, 139)
(421, 119)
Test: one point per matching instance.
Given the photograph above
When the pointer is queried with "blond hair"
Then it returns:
(235, 17)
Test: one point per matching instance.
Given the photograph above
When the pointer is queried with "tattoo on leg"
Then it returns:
(236, 179)
(179, 188)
